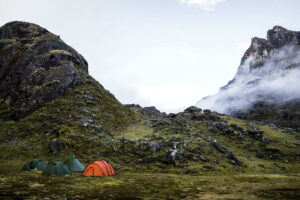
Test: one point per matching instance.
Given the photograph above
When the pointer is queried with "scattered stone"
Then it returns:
(154, 156)
(256, 134)
(234, 126)
(204, 159)
(233, 160)
(172, 115)
(207, 111)
(170, 156)
(208, 166)
(140, 153)
(193, 109)
(265, 140)
(259, 154)
(297, 143)
(185, 171)
(55, 146)
(97, 129)
(154, 146)
(198, 117)
(84, 110)
(261, 165)
(219, 147)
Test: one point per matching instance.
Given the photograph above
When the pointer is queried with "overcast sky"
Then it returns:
(165, 53)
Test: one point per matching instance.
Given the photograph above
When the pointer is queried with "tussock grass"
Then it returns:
(15, 184)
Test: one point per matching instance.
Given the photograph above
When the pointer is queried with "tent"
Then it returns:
(99, 168)
(56, 168)
(35, 164)
(74, 165)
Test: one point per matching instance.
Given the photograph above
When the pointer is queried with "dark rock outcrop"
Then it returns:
(55, 146)
(257, 92)
(36, 66)
(261, 49)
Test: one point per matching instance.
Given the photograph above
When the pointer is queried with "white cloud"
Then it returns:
(276, 81)
(206, 5)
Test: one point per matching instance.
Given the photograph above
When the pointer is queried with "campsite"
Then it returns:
(149, 100)
(140, 185)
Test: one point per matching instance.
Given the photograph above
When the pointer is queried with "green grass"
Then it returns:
(63, 119)
(15, 184)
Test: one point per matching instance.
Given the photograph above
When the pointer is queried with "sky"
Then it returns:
(163, 53)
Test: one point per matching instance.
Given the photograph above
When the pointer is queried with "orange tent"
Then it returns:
(99, 168)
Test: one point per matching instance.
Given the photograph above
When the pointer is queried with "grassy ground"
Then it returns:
(15, 184)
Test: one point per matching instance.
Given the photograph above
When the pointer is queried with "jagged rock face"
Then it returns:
(261, 49)
(265, 87)
(36, 66)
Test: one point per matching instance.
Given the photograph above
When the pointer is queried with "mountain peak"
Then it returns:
(279, 36)
(261, 49)
(36, 66)
(264, 87)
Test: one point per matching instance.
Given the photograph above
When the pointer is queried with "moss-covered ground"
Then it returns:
(193, 154)
(15, 184)
(92, 124)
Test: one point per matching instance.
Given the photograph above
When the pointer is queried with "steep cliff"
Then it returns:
(265, 87)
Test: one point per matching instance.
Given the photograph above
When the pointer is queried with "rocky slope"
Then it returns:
(265, 87)
(79, 116)
(36, 67)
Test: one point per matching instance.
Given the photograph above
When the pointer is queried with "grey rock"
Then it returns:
(193, 109)
(259, 154)
(55, 146)
(34, 71)
(208, 166)
(207, 111)
(265, 140)
(185, 171)
(84, 110)
(170, 156)
(140, 153)
(219, 147)
(154, 146)
(172, 115)
(204, 159)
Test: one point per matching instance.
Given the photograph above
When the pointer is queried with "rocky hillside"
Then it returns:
(60, 109)
(45, 82)
(36, 67)
(265, 87)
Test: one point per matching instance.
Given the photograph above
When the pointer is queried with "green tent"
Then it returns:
(35, 164)
(74, 165)
(56, 168)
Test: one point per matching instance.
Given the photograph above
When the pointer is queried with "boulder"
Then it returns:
(170, 156)
(153, 146)
(259, 154)
(193, 109)
(55, 146)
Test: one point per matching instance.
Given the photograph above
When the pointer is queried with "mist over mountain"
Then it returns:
(269, 73)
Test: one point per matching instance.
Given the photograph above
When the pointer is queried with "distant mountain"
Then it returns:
(266, 85)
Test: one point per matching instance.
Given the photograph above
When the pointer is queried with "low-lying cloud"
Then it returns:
(206, 5)
(277, 81)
